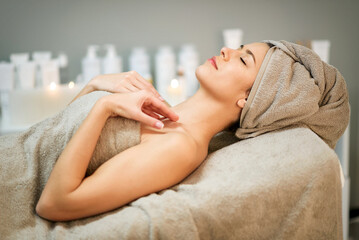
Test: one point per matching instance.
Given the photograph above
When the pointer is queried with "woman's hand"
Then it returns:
(119, 83)
(122, 83)
(141, 106)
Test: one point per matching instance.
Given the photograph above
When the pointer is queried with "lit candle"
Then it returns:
(175, 92)
(25, 107)
(52, 86)
(71, 85)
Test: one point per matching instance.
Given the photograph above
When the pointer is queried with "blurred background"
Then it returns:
(66, 28)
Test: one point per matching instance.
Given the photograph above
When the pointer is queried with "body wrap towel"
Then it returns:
(294, 87)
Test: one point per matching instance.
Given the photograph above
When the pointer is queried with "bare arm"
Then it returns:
(129, 175)
(67, 191)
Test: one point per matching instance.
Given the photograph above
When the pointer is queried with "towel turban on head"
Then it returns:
(294, 87)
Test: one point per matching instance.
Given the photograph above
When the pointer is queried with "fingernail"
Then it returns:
(159, 125)
(161, 98)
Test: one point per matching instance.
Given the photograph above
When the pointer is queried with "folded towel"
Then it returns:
(294, 87)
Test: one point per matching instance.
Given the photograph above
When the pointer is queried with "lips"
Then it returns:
(213, 62)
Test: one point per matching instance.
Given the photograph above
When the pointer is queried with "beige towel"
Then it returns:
(294, 87)
(260, 188)
(27, 159)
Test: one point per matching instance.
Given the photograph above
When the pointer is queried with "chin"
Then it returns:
(206, 81)
(201, 73)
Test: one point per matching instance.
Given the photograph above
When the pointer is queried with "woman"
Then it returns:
(170, 148)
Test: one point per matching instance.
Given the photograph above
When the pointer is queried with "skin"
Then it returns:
(170, 148)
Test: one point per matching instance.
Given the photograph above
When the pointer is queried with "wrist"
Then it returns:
(85, 90)
(92, 85)
(103, 107)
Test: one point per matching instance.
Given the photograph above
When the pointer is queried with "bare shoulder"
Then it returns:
(173, 142)
(182, 144)
(182, 140)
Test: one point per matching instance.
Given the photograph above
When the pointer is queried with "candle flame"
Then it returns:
(174, 83)
(52, 86)
(71, 84)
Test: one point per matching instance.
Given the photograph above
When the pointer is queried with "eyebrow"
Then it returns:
(249, 52)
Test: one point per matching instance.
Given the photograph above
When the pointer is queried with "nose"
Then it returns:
(225, 53)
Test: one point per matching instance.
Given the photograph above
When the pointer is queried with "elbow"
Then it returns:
(46, 209)
(50, 210)
(41, 209)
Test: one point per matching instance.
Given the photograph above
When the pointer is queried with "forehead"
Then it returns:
(258, 49)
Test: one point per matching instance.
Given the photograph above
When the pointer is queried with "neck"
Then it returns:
(203, 116)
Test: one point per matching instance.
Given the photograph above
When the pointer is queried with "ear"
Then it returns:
(241, 102)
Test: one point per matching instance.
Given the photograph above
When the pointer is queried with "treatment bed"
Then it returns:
(280, 185)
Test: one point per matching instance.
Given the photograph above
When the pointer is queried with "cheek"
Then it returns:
(243, 80)
(248, 83)
(236, 85)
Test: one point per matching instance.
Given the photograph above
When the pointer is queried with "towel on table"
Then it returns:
(260, 188)
(295, 87)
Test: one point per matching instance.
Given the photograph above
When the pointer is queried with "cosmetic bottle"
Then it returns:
(26, 73)
(40, 58)
(322, 48)
(139, 61)
(50, 74)
(7, 71)
(233, 38)
(5, 109)
(111, 63)
(165, 69)
(188, 62)
(91, 66)
(17, 59)
(63, 61)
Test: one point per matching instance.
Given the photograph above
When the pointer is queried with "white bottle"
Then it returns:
(91, 66)
(322, 48)
(5, 109)
(17, 59)
(233, 38)
(111, 63)
(188, 62)
(63, 62)
(50, 73)
(7, 72)
(40, 58)
(139, 61)
(165, 69)
(27, 73)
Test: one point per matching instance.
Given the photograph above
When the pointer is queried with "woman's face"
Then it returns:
(229, 76)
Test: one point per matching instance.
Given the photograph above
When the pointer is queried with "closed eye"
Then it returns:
(243, 61)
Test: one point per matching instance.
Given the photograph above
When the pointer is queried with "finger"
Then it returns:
(154, 91)
(150, 113)
(154, 109)
(151, 89)
(144, 118)
(145, 85)
(162, 109)
(165, 112)
(141, 79)
(130, 87)
(140, 82)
